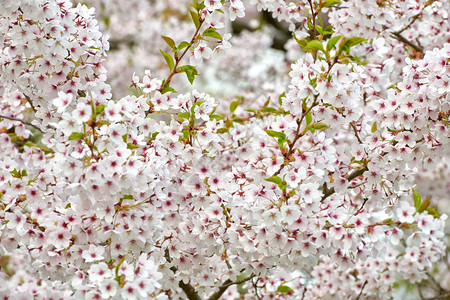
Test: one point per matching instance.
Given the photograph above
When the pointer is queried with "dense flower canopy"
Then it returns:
(305, 174)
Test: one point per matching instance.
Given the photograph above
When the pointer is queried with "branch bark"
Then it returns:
(402, 39)
(225, 286)
(328, 192)
(21, 121)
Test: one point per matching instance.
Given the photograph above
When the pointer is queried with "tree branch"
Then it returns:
(328, 192)
(186, 287)
(362, 288)
(21, 121)
(402, 39)
(225, 286)
(31, 103)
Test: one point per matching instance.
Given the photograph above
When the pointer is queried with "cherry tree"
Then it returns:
(306, 174)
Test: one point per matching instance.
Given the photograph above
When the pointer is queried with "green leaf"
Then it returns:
(131, 146)
(169, 41)
(211, 32)
(15, 173)
(168, 58)
(194, 16)
(183, 45)
(222, 130)
(280, 98)
(270, 110)
(99, 109)
(190, 71)
(167, 89)
(315, 44)
(328, 30)
(184, 115)
(332, 42)
(355, 40)
(433, 212)
(129, 197)
(234, 105)
(332, 2)
(417, 199)
(319, 29)
(320, 126)
(275, 179)
(424, 205)
(76, 136)
(308, 118)
(284, 289)
(374, 127)
(275, 134)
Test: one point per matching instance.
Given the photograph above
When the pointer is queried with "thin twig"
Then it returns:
(402, 39)
(328, 192)
(227, 284)
(362, 205)
(30, 102)
(21, 121)
(186, 287)
(362, 288)
(356, 132)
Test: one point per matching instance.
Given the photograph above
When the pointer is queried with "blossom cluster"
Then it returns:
(301, 189)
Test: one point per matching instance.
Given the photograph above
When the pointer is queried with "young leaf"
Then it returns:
(280, 98)
(424, 205)
(320, 126)
(211, 32)
(184, 115)
(234, 105)
(99, 109)
(169, 41)
(417, 199)
(308, 118)
(355, 40)
(76, 136)
(332, 2)
(374, 127)
(284, 289)
(169, 59)
(194, 16)
(222, 130)
(131, 146)
(190, 71)
(183, 45)
(167, 89)
(332, 42)
(275, 134)
(275, 179)
(315, 44)
(319, 29)
(433, 212)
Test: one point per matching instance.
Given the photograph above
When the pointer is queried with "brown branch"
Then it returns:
(31, 103)
(21, 121)
(178, 59)
(402, 39)
(362, 288)
(227, 284)
(298, 134)
(356, 132)
(328, 192)
(186, 287)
